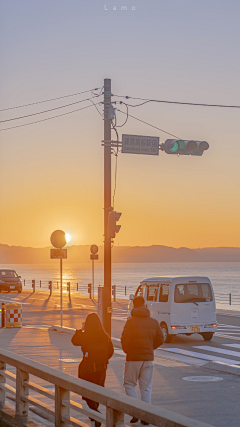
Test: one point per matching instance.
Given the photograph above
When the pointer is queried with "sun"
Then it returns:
(68, 237)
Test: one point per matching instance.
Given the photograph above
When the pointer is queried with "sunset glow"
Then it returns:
(68, 237)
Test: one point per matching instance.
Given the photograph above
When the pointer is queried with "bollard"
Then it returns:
(114, 292)
(33, 285)
(90, 290)
(125, 290)
(3, 315)
(230, 299)
(40, 283)
(50, 287)
(77, 287)
(69, 288)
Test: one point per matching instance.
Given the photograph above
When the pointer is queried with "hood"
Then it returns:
(140, 312)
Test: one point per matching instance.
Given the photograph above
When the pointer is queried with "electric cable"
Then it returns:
(48, 100)
(176, 102)
(46, 111)
(102, 115)
(121, 102)
(49, 118)
(155, 127)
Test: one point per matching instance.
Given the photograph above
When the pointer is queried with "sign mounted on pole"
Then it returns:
(138, 144)
(58, 253)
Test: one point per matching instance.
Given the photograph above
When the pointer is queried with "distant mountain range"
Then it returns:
(121, 254)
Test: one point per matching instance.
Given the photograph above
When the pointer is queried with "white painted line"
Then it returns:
(227, 336)
(179, 358)
(230, 334)
(202, 356)
(221, 325)
(232, 345)
(217, 350)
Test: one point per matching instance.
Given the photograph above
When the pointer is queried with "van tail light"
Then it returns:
(211, 325)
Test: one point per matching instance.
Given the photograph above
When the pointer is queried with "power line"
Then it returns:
(48, 100)
(47, 111)
(155, 127)
(50, 118)
(175, 102)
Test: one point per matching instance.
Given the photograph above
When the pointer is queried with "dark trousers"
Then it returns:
(86, 372)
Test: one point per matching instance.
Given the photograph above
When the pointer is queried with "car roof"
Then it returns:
(8, 269)
(171, 278)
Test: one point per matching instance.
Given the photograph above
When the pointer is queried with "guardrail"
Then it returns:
(116, 404)
(120, 291)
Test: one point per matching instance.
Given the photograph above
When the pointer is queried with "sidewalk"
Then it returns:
(170, 391)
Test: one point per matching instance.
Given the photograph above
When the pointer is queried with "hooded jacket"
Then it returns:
(141, 335)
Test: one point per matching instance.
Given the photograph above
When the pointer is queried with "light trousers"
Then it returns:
(141, 372)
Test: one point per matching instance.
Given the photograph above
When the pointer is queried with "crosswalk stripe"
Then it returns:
(202, 356)
(217, 350)
(227, 336)
(232, 345)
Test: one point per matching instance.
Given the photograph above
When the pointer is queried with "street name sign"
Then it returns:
(138, 144)
(58, 253)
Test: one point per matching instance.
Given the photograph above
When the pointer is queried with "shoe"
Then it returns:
(134, 420)
(144, 423)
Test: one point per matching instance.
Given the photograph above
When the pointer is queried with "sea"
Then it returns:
(224, 276)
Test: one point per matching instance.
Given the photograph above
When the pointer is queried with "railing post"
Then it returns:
(21, 391)
(3, 315)
(2, 381)
(114, 418)
(61, 410)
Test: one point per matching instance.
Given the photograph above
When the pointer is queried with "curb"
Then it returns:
(223, 367)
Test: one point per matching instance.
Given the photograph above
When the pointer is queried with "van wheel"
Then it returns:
(207, 335)
(167, 338)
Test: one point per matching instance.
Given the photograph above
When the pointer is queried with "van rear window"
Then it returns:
(192, 292)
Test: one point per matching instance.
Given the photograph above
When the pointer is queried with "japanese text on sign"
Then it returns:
(138, 144)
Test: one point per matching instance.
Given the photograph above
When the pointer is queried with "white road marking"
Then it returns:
(217, 350)
(227, 336)
(232, 345)
(202, 356)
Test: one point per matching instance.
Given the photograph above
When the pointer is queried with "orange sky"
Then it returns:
(51, 173)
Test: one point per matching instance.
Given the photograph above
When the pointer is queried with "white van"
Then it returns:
(181, 304)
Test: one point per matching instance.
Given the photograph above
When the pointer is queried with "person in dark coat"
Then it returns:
(141, 335)
(97, 349)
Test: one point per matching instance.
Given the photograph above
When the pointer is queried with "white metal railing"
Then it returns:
(116, 404)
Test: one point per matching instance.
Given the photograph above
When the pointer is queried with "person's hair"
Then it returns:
(94, 327)
(138, 301)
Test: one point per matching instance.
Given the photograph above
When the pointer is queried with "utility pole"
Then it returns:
(107, 207)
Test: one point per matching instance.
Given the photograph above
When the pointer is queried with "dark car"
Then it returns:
(10, 280)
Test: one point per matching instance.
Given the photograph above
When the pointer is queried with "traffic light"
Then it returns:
(180, 147)
(113, 228)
